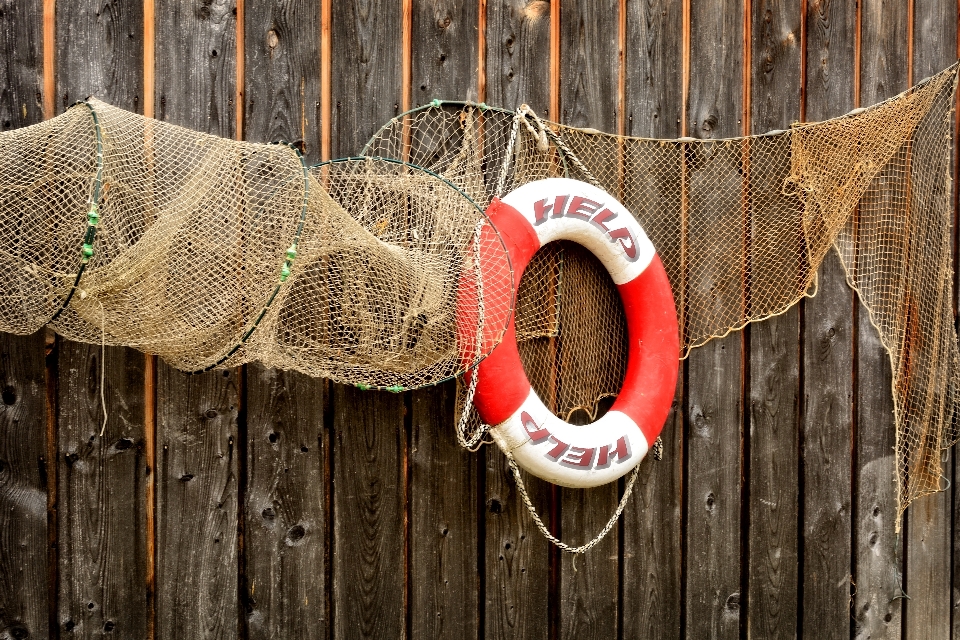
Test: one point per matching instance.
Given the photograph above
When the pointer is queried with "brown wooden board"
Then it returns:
(877, 547)
(102, 480)
(827, 435)
(652, 522)
(444, 535)
(198, 453)
(286, 518)
(928, 541)
(369, 554)
(24, 603)
(715, 371)
(516, 557)
(774, 345)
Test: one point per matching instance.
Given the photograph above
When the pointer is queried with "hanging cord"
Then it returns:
(474, 442)
(563, 546)
(103, 366)
(542, 132)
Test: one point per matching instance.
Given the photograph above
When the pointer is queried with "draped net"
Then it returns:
(212, 253)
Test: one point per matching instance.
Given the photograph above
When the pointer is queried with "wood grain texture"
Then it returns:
(652, 521)
(286, 521)
(928, 541)
(24, 604)
(366, 75)
(878, 549)
(101, 485)
(516, 557)
(444, 579)
(23, 488)
(829, 334)
(284, 510)
(102, 480)
(774, 345)
(197, 416)
(369, 510)
(589, 77)
(715, 371)
(444, 533)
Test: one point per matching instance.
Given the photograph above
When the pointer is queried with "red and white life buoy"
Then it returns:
(540, 442)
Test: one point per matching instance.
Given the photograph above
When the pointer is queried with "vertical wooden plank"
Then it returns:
(589, 81)
(197, 416)
(285, 519)
(774, 344)
(516, 556)
(652, 521)
(23, 465)
(927, 545)
(715, 370)
(828, 349)
(444, 594)
(369, 437)
(878, 577)
(101, 517)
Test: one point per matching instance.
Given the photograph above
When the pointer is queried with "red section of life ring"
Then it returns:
(540, 442)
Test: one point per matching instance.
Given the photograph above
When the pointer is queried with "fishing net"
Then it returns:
(742, 226)
(211, 253)
(382, 271)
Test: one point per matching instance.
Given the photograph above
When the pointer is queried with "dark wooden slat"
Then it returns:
(101, 507)
(444, 594)
(589, 584)
(23, 489)
(774, 345)
(516, 556)
(102, 484)
(652, 522)
(828, 361)
(715, 370)
(877, 606)
(23, 468)
(285, 529)
(369, 513)
(369, 438)
(197, 428)
(928, 543)
(285, 519)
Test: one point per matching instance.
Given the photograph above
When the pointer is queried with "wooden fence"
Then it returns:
(256, 503)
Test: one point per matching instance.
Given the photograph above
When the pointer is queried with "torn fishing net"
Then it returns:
(742, 225)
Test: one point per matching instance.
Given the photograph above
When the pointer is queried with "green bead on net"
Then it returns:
(292, 252)
(87, 251)
(93, 216)
(284, 273)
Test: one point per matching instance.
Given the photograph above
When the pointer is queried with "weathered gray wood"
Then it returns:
(589, 77)
(23, 487)
(715, 372)
(828, 362)
(878, 559)
(774, 345)
(102, 480)
(444, 536)
(928, 540)
(516, 557)
(285, 514)
(369, 509)
(652, 521)
(444, 594)
(23, 466)
(286, 520)
(197, 428)
(369, 436)
(366, 90)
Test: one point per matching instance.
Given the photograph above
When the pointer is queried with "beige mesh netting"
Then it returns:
(211, 252)
(742, 226)
(382, 271)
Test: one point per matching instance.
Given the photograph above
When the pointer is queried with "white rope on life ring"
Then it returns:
(540, 442)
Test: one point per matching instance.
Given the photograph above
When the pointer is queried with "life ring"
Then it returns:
(543, 444)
